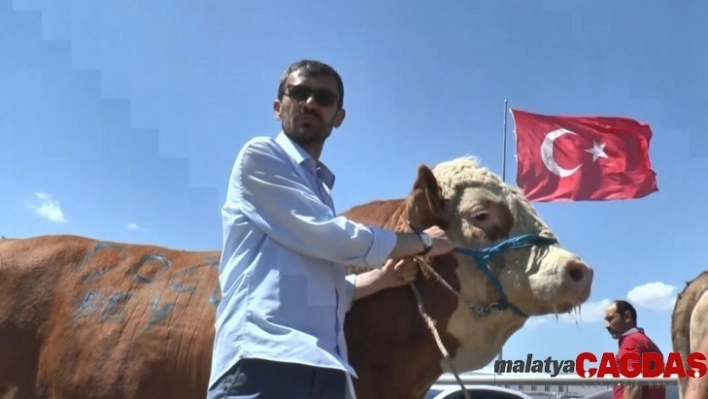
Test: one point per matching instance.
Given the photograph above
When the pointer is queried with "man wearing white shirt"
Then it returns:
(279, 325)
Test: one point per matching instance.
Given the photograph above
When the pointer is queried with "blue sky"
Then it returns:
(120, 120)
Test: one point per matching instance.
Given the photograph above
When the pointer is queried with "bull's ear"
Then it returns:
(425, 205)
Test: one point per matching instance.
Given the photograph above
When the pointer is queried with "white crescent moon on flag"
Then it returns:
(547, 154)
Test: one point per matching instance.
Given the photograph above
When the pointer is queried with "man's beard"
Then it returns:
(613, 333)
(306, 134)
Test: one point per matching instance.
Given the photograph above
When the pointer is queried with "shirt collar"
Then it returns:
(629, 332)
(303, 158)
(633, 330)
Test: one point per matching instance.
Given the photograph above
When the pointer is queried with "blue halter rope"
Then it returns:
(484, 255)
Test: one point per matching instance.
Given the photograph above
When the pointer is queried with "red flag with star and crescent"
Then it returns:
(581, 158)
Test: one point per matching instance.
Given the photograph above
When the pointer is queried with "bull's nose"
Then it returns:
(577, 270)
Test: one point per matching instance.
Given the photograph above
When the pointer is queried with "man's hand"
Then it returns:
(632, 392)
(410, 244)
(398, 272)
(394, 273)
(441, 243)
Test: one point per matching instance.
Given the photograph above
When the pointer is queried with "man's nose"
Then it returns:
(311, 107)
(310, 101)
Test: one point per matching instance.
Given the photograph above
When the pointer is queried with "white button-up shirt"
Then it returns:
(284, 291)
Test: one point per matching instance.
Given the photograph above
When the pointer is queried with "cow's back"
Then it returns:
(27, 288)
(689, 324)
(91, 319)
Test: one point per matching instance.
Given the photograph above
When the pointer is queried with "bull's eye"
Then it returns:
(480, 216)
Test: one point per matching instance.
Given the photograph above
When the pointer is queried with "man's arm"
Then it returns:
(632, 392)
(362, 285)
(267, 190)
(368, 283)
(394, 273)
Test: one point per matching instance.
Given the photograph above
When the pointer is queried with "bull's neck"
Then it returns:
(387, 329)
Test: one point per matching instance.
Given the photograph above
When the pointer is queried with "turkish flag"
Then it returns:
(578, 158)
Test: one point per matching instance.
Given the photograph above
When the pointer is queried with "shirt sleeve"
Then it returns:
(267, 190)
(349, 290)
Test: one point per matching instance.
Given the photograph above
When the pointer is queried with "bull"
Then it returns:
(84, 318)
(689, 322)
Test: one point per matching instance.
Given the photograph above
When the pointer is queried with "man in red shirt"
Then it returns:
(621, 322)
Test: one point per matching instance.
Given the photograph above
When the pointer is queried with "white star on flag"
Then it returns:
(597, 151)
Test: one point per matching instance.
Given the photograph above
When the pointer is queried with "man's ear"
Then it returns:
(339, 118)
(276, 108)
(425, 205)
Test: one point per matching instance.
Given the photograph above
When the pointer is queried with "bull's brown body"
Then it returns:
(83, 318)
(689, 322)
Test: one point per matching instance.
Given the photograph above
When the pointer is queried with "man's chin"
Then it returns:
(305, 136)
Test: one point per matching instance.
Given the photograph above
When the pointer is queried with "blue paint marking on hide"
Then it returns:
(90, 304)
(177, 282)
(151, 257)
(113, 311)
(100, 246)
(158, 315)
(215, 297)
(185, 273)
(112, 307)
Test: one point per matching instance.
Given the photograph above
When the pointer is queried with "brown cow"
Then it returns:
(82, 318)
(689, 320)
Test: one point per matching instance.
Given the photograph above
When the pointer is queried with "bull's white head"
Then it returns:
(478, 210)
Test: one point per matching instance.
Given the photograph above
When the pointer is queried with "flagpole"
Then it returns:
(504, 141)
(506, 112)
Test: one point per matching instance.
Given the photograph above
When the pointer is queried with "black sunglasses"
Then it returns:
(323, 97)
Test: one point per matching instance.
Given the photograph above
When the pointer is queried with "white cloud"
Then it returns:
(134, 227)
(655, 295)
(47, 207)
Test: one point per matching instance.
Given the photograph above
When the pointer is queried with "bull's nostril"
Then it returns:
(576, 270)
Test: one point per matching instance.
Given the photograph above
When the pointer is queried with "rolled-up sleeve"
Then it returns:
(350, 286)
(268, 191)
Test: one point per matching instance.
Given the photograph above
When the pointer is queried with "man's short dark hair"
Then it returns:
(624, 307)
(312, 68)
